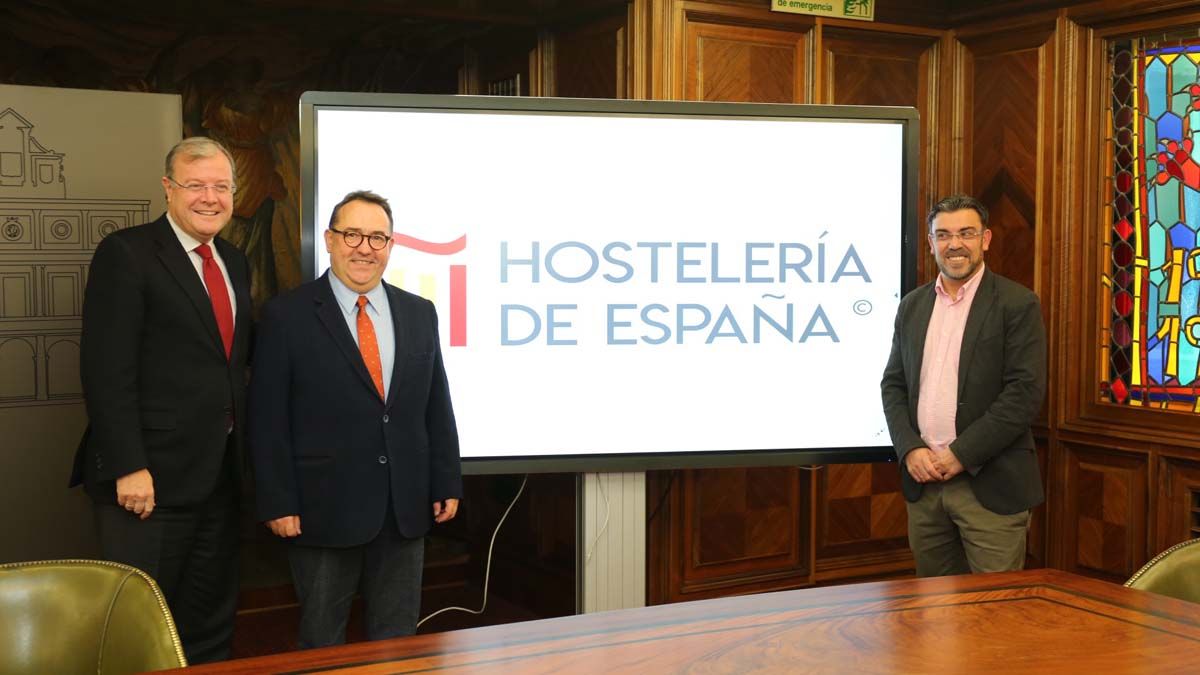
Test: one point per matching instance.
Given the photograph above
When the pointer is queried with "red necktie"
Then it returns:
(218, 293)
(368, 345)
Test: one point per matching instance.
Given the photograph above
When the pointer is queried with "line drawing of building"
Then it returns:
(46, 244)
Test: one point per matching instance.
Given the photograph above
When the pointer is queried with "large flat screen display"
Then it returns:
(630, 285)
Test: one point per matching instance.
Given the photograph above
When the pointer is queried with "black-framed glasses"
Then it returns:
(941, 236)
(197, 188)
(354, 238)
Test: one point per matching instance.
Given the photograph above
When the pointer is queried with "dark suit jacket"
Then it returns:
(325, 446)
(158, 387)
(1001, 384)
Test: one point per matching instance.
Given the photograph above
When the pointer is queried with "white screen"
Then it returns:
(766, 215)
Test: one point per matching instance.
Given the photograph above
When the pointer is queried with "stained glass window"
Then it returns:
(1151, 331)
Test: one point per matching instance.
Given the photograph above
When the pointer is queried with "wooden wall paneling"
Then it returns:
(1063, 297)
(661, 503)
(590, 59)
(861, 522)
(656, 25)
(533, 561)
(954, 152)
(1108, 511)
(1008, 92)
(503, 60)
(543, 63)
(877, 67)
(1170, 437)
(724, 531)
(860, 514)
(641, 46)
(1081, 193)
(735, 54)
(728, 531)
(1036, 554)
(1178, 507)
(1132, 16)
(1082, 410)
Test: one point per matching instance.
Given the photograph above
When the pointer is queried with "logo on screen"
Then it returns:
(426, 275)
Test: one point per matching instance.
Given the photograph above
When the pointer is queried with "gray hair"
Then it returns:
(193, 148)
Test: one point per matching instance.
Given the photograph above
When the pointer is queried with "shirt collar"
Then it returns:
(187, 241)
(347, 298)
(968, 287)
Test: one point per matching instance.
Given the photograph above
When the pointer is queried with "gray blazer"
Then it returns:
(1001, 384)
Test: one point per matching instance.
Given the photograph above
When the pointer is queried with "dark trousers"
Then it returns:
(191, 551)
(387, 570)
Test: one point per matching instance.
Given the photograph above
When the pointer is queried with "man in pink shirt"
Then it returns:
(965, 379)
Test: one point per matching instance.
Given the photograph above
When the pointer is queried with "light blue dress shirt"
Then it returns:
(380, 313)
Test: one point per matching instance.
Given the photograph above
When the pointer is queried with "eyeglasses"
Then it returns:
(353, 238)
(198, 188)
(966, 236)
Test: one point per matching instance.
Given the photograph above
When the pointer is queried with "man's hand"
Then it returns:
(444, 510)
(135, 492)
(287, 526)
(922, 466)
(948, 462)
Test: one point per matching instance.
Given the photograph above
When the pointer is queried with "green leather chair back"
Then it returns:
(84, 616)
(1174, 572)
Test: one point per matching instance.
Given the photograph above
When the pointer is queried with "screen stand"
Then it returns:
(610, 541)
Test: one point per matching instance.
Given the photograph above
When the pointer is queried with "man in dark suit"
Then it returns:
(966, 378)
(352, 432)
(166, 336)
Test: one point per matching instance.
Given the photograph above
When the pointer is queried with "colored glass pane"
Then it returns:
(1152, 305)
(1183, 73)
(1124, 181)
(1123, 303)
(1153, 289)
(1158, 247)
(1188, 352)
(1166, 197)
(1191, 204)
(1170, 126)
(1182, 237)
(1156, 89)
(1123, 228)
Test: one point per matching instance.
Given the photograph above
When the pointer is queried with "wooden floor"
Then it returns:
(1038, 621)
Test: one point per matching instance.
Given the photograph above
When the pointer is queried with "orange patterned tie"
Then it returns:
(368, 345)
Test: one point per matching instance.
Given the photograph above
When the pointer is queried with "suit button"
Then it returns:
(382, 459)
(385, 419)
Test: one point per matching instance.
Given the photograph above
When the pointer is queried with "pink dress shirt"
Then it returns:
(938, 402)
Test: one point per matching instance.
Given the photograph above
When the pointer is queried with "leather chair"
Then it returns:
(84, 616)
(1174, 572)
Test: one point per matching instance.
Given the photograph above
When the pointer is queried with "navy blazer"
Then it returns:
(159, 390)
(325, 446)
(1001, 384)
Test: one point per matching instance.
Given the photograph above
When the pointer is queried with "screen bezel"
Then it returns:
(311, 103)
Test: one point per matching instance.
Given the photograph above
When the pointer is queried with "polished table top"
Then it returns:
(1036, 621)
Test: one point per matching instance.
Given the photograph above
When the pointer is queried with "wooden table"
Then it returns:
(1037, 621)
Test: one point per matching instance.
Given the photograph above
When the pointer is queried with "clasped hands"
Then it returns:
(932, 466)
